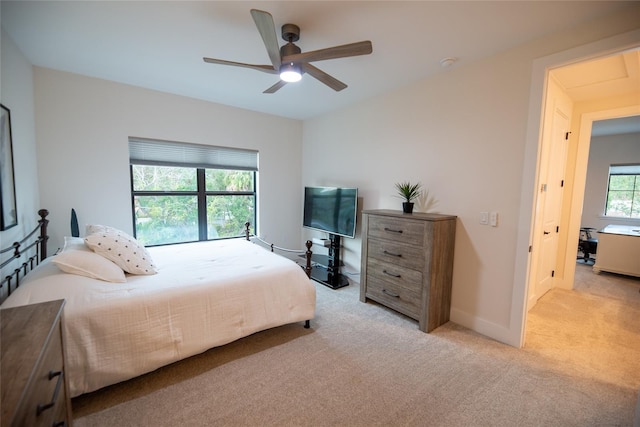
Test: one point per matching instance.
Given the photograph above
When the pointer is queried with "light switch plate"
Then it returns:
(484, 218)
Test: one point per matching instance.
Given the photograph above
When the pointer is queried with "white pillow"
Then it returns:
(74, 243)
(121, 248)
(83, 262)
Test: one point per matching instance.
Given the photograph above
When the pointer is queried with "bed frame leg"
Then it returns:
(307, 324)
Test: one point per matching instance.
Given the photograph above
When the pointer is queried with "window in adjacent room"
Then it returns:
(623, 191)
(189, 192)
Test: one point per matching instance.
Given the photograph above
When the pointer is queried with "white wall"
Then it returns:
(83, 125)
(463, 134)
(16, 93)
(603, 152)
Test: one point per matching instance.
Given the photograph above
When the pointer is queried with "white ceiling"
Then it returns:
(160, 45)
(608, 76)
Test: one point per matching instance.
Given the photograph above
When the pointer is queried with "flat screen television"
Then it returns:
(331, 209)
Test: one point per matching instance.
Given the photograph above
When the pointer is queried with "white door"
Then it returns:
(550, 197)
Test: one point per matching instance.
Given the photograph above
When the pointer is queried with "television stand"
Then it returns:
(327, 268)
(320, 274)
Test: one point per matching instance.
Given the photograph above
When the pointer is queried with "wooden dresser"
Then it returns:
(407, 263)
(34, 385)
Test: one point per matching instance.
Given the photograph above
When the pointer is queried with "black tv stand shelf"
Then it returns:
(322, 260)
(321, 275)
(327, 267)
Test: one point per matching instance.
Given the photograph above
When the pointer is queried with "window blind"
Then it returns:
(167, 153)
(624, 170)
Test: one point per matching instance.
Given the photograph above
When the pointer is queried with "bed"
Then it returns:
(203, 295)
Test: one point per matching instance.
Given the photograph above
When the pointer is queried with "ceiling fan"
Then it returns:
(289, 61)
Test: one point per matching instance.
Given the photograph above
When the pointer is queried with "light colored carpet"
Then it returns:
(593, 330)
(362, 364)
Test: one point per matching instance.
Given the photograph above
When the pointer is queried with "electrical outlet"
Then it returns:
(484, 218)
(493, 219)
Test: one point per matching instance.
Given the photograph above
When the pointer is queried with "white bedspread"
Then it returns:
(205, 294)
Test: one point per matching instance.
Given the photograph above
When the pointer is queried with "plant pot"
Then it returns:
(407, 207)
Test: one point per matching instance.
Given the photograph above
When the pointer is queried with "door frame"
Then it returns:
(580, 178)
(531, 167)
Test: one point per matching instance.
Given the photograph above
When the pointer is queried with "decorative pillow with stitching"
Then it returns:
(123, 249)
(83, 262)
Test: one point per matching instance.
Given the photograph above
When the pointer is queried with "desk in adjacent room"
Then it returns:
(619, 250)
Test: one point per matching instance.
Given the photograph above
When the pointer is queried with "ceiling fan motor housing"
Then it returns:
(289, 49)
(290, 32)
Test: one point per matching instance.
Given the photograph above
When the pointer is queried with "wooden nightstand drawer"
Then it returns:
(404, 231)
(48, 377)
(34, 388)
(397, 253)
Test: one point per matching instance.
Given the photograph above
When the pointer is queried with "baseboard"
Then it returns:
(484, 327)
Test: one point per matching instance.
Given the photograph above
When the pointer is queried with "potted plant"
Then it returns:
(409, 192)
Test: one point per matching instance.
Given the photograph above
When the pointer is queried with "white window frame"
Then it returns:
(628, 170)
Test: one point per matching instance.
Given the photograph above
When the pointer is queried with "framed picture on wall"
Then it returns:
(8, 213)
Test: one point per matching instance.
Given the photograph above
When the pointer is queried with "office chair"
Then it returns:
(587, 244)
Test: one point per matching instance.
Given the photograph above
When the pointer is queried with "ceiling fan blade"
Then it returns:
(264, 68)
(325, 78)
(343, 51)
(267, 30)
(275, 87)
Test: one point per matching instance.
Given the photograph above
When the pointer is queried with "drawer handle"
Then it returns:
(41, 408)
(391, 294)
(392, 254)
(391, 274)
(391, 230)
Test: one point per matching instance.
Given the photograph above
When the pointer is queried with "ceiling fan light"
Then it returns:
(290, 73)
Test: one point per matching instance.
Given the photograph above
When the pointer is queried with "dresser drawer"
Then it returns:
(397, 253)
(43, 388)
(60, 408)
(403, 231)
(395, 296)
(396, 274)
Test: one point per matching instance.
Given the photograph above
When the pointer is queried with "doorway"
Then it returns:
(582, 118)
(602, 88)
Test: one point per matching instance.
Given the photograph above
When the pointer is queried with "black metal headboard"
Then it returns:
(34, 243)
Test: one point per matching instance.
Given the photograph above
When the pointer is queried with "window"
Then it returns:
(623, 192)
(188, 192)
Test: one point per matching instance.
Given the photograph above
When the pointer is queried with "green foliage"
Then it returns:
(623, 197)
(166, 219)
(173, 218)
(226, 215)
(409, 191)
(164, 178)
